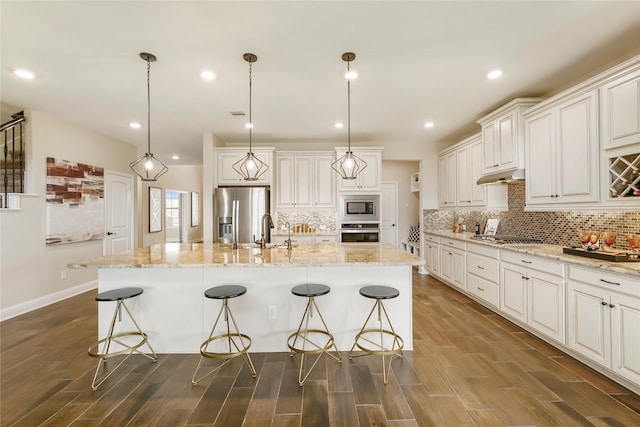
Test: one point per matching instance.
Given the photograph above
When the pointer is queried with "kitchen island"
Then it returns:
(177, 317)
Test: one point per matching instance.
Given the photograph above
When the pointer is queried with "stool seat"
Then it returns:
(225, 291)
(310, 290)
(119, 294)
(379, 292)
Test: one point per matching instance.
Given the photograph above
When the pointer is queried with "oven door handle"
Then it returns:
(360, 230)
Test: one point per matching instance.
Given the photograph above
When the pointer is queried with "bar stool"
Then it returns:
(379, 338)
(118, 295)
(304, 336)
(235, 343)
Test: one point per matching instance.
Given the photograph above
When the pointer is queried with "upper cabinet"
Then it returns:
(305, 180)
(370, 179)
(503, 136)
(226, 157)
(561, 144)
(621, 111)
(459, 168)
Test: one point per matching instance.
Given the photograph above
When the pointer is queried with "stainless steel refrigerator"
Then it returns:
(239, 210)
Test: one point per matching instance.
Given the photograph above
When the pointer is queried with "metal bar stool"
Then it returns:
(230, 344)
(118, 295)
(384, 342)
(299, 341)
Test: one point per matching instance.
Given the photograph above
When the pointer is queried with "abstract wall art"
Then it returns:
(75, 202)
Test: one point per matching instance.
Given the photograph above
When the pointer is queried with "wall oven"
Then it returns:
(360, 208)
(359, 233)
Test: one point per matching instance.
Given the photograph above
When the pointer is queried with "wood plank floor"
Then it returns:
(469, 367)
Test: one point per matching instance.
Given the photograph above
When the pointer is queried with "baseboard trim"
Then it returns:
(43, 301)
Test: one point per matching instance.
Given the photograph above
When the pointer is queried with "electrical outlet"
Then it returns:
(272, 312)
(63, 275)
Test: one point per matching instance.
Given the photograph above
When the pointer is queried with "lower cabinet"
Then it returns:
(432, 254)
(533, 293)
(453, 262)
(604, 320)
(483, 273)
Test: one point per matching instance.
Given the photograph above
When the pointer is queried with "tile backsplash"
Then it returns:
(557, 228)
(322, 221)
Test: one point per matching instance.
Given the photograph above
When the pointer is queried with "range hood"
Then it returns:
(504, 176)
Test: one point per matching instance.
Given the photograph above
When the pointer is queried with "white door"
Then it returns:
(118, 197)
(389, 213)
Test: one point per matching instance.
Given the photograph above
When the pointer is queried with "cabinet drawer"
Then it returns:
(530, 261)
(488, 251)
(326, 239)
(484, 289)
(605, 280)
(454, 243)
(484, 267)
(431, 238)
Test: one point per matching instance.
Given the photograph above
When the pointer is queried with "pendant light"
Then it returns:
(250, 167)
(349, 165)
(147, 167)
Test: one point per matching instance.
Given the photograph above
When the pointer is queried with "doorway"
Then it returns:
(175, 202)
(119, 213)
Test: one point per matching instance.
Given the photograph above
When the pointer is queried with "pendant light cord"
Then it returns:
(348, 109)
(148, 107)
(250, 117)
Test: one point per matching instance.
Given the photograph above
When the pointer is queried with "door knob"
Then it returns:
(110, 233)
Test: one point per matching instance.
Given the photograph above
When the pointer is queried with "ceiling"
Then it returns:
(417, 61)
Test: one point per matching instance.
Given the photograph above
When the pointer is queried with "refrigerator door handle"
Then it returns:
(234, 228)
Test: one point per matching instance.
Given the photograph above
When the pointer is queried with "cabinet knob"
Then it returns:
(603, 303)
(479, 288)
(480, 267)
(612, 305)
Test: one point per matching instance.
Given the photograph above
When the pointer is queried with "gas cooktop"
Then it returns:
(504, 239)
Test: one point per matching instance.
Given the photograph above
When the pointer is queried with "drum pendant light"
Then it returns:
(250, 167)
(147, 167)
(349, 165)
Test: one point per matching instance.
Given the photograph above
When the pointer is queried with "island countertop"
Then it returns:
(180, 255)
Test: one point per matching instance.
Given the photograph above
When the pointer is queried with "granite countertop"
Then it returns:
(179, 255)
(547, 251)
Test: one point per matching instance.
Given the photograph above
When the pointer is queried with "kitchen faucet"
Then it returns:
(266, 219)
(288, 241)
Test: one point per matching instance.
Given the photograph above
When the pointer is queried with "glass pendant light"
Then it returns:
(147, 167)
(250, 167)
(349, 165)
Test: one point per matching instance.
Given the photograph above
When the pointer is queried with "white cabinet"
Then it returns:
(604, 314)
(561, 143)
(432, 254)
(447, 179)
(453, 262)
(294, 181)
(483, 273)
(324, 182)
(226, 157)
(370, 179)
(305, 180)
(620, 110)
(503, 136)
(459, 168)
(533, 292)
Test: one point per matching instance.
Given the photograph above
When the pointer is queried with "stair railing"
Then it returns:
(12, 163)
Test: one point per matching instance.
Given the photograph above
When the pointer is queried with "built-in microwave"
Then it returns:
(360, 207)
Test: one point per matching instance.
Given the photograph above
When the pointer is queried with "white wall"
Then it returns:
(179, 178)
(408, 203)
(30, 270)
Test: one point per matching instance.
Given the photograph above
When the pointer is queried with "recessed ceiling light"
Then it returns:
(174, 157)
(429, 125)
(248, 125)
(208, 75)
(135, 125)
(494, 74)
(24, 74)
(338, 125)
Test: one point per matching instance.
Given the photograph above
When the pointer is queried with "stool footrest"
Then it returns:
(381, 349)
(240, 349)
(94, 352)
(304, 336)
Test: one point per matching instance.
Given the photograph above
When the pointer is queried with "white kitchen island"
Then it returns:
(177, 317)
